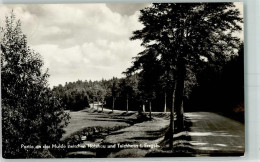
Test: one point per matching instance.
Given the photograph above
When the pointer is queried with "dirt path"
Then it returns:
(206, 134)
(213, 134)
(144, 136)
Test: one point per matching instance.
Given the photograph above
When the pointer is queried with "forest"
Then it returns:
(128, 93)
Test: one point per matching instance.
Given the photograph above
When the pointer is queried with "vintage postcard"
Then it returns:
(116, 80)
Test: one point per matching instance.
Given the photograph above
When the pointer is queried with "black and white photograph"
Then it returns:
(122, 80)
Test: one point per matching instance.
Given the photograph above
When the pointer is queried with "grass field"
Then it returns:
(205, 134)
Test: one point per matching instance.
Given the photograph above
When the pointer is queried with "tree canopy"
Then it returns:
(31, 115)
(185, 38)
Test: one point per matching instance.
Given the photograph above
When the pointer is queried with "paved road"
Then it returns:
(213, 134)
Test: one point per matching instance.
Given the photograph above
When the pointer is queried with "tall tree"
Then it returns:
(128, 90)
(101, 94)
(31, 115)
(186, 37)
(114, 91)
(149, 76)
(125, 90)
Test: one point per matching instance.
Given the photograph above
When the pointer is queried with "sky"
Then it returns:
(81, 41)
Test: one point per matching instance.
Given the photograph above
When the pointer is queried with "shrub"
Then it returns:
(30, 113)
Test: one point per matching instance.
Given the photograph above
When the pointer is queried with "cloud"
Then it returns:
(95, 60)
(69, 25)
(79, 41)
(126, 8)
(72, 24)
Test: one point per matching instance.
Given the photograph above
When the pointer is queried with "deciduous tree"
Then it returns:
(31, 115)
(187, 36)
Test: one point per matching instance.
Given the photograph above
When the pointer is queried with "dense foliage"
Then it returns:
(120, 94)
(73, 97)
(185, 38)
(31, 115)
(220, 90)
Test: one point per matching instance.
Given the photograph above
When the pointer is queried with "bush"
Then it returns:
(30, 113)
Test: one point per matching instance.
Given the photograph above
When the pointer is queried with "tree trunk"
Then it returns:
(179, 90)
(150, 108)
(177, 100)
(93, 102)
(127, 103)
(180, 118)
(165, 102)
(113, 106)
(171, 131)
(143, 107)
(97, 104)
